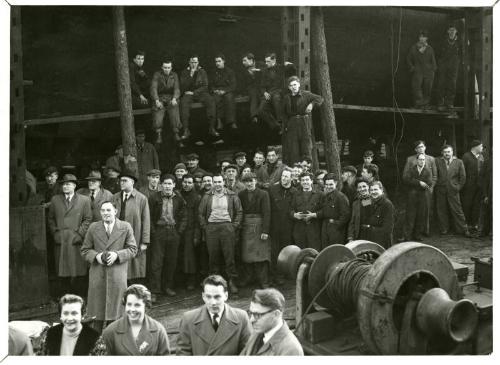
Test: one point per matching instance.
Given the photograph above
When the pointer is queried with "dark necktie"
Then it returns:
(92, 195)
(215, 324)
(68, 200)
(259, 342)
(108, 230)
(124, 205)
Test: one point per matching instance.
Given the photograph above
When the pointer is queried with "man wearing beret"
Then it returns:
(96, 193)
(193, 161)
(70, 215)
(153, 183)
(132, 206)
(471, 194)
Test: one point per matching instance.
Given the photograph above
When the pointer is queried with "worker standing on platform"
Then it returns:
(305, 204)
(139, 80)
(70, 215)
(451, 179)
(165, 94)
(448, 63)
(297, 135)
(222, 83)
(422, 64)
(271, 89)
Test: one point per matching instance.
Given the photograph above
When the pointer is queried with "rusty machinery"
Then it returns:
(405, 300)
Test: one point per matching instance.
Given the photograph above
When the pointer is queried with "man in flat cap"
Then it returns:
(153, 183)
(147, 157)
(96, 193)
(132, 206)
(70, 215)
(449, 58)
(193, 161)
(179, 171)
(232, 179)
(471, 194)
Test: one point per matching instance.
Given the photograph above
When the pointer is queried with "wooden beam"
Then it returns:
(124, 92)
(105, 115)
(239, 99)
(18, 193)
(322, 75)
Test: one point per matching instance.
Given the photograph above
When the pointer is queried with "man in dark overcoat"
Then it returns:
(281, 196)
(451, 179)
(334, 213)
(108, 246)
(69, 218)
(471, 193)
(305, 204)
(191, 237)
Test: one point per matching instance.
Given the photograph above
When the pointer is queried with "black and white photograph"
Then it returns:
(248, 179)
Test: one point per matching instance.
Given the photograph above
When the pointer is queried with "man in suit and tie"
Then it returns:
(214, 328)
(96, 193)
(451, 179)
(109, 245)
(69, 218)
(271, 336)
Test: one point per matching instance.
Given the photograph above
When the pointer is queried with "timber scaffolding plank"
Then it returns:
(238, 99)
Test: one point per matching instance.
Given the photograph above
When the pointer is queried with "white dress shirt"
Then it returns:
(271, 332)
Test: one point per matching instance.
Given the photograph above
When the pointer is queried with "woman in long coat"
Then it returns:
(108, 283)
(137, 214)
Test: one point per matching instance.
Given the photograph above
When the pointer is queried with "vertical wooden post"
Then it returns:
(124, 93)
(296, 47)
(18, 193)
(322, 78)
(485, 73)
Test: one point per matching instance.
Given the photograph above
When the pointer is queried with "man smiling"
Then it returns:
(214, 328)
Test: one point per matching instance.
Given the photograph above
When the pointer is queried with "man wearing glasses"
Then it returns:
(215, 328)
(271, 336)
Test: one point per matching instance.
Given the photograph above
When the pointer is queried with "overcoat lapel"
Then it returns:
(228, 325)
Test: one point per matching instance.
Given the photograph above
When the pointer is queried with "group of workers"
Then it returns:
(285, 112)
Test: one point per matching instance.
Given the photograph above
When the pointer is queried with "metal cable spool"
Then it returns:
(291, 257)
(381, 292)
(365, 249)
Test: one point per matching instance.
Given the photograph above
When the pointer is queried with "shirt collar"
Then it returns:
(220, 314)
(70, 195)
(110, 225)
(272, 332)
